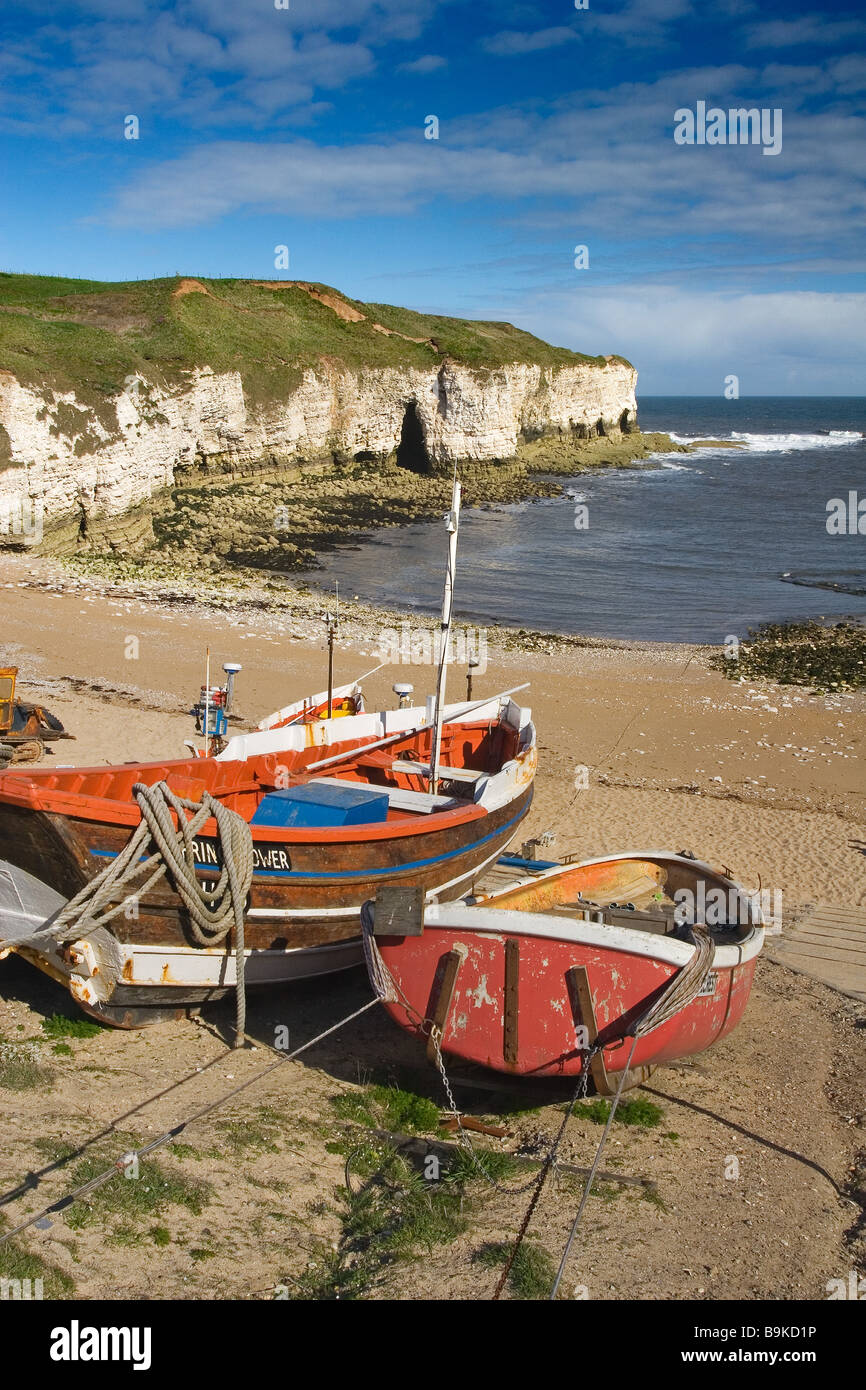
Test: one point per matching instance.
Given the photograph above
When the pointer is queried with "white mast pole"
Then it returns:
(453, 525)
(207, 703)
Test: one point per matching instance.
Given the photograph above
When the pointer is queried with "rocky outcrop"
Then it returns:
(79, 477)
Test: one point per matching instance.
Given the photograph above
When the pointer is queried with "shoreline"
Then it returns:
(249, 590)
(252, 591)
(616, 681)
(284, 517)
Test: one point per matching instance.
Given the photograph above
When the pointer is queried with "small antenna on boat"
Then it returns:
(331, 621)
(470, 670)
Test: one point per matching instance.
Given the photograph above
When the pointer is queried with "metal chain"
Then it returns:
(579, 1094)
(538, 1178)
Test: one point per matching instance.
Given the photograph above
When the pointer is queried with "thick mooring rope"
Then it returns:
(157, 847)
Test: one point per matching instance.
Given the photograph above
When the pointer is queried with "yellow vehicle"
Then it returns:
(24, 728)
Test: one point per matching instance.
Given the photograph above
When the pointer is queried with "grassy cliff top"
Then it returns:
(89, 336)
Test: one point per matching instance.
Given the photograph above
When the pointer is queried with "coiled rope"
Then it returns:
(157, 847)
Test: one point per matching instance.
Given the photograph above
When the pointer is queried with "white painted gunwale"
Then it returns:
(507, 922)
(487, 918)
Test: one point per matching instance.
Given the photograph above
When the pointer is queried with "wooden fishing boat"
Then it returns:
(335, 806)
(523, 979)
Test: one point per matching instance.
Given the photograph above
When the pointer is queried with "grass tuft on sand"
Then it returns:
(389, 1107)
(532, 1274)
(19, 1265)
(60, 1027)
(122, 1203)
(21, 1068)
(638, 1111)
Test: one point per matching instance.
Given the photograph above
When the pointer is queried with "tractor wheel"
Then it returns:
(29, 752)
(7, 755)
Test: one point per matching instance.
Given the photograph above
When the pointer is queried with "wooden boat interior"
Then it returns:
(472, 751)
(629, 892)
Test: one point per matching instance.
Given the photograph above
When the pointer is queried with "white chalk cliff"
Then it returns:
(81, 475)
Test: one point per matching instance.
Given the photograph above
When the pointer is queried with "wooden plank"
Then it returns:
(835, 913)
(512, 1001)
(399, 910)
(449, 966)
(581, 995)
(828, 944)
(446, 774)
(819, 932)
(845, 924)
(853, 917)
(808, 951)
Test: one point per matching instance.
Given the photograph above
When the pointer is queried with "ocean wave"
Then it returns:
(790, 443)
(671, 463)
(778, 443)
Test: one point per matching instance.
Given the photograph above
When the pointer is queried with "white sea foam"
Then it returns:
(778, 443)
(790, 443)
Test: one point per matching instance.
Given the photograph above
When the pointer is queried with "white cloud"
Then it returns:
(788, 341)
(510, 41)
(806, 31)
(429, 62)
(199, 62)
(589, 164)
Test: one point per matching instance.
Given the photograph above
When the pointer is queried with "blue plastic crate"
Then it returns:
(313, 806)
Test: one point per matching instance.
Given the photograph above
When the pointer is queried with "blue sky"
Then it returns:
(305, 126)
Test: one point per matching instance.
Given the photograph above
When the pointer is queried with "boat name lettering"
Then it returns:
(273, 858)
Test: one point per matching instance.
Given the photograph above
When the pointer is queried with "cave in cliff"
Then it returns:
(412, 451)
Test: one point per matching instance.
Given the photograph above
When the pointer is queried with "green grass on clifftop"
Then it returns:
(89, 337)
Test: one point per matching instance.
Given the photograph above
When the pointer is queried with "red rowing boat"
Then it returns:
(523, 980)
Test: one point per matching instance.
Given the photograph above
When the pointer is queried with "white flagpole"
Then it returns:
(453, 525)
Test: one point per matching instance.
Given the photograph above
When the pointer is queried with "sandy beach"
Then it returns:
(640, 746)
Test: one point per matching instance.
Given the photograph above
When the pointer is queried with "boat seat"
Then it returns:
(446, 774)
(640, 892)
(403, 800)
(661, 922)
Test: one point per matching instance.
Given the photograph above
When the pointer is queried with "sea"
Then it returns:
(689, 548)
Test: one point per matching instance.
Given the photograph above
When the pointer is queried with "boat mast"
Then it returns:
(452, 524)
(331, 620)
(207, 702)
